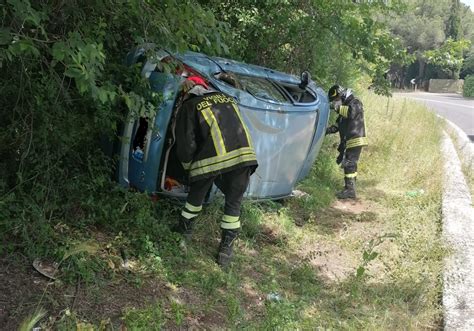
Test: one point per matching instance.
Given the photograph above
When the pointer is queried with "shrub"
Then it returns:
(468, 90)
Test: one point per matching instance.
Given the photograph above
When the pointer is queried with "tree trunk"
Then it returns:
(421, 68)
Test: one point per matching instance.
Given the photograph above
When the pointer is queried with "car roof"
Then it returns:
(211, 65)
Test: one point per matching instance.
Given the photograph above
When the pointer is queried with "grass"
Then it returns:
(300, 264)
(466, 165)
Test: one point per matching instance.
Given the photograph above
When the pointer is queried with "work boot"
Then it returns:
(185, 227)
(349, 189)
(224, 256)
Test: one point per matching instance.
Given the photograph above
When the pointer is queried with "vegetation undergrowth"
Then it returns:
(468, 88)
(300, 263)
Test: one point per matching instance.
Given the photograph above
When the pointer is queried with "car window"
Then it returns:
(261, 88)
(298, 95)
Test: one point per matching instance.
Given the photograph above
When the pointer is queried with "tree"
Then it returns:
(421, 27)
(453, 26)
(424, 29)
(449, 56)
(467, 25)
(337, 41)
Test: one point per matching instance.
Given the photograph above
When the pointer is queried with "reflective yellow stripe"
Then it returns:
(351, 175)
(355, 142)
(220, 158)
(230, 219)
(215, 131)
(365, 130)
(190, 207)
(344, 111)
(230, 222)
(237, 111)
(186, 166)
(223, 164)
(187, 215)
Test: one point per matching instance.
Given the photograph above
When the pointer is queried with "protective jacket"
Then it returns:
(350, 123)
(211, 137)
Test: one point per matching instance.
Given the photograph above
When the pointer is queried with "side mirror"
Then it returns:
(305, 77)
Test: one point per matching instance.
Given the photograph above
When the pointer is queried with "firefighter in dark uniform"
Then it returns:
(214, 146)
(351, 127)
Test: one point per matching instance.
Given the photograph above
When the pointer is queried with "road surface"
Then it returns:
(451, 106)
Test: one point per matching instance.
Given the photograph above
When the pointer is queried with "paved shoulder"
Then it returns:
(458, 231)
(451, 106)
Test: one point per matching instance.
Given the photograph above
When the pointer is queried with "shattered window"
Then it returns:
(261, 88)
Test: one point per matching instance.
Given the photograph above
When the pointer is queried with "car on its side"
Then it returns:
(286, 116)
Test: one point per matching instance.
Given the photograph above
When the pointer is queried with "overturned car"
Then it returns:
(286, 116)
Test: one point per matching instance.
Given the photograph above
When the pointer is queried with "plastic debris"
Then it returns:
(273, 296)
(46, 268)
(299, 194)
(415, 193)
(138, 154)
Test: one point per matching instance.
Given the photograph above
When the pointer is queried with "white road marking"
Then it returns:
(447, 103)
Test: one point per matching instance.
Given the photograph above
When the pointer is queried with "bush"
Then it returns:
(63, 87)
(468, 90)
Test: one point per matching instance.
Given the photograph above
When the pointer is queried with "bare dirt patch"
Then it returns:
(351, 206)
(346, 220)
(23, 290)
(20, 288)
(334, 264)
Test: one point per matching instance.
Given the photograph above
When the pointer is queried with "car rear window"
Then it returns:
(261, 88)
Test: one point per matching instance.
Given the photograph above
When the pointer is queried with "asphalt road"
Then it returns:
(451, 106)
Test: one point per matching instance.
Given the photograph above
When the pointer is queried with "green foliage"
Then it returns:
(63, 88)
(449, 56)
(468, 89)
(453, 26)
(338, 270)
(433, 31)
(30, 322)
(151, 318)
(468, 64)
(337, 42)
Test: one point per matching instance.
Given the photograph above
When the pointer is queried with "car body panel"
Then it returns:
(287, 136)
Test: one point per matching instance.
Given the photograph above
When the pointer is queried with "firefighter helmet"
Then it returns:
(335, 92)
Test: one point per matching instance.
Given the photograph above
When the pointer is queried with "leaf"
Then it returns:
(73, 72)
(365, 256)
(83, 247)
(102, 95)
(360, 272)
(59, 51)
(128, 101)
(373, 255)
(23, 46)
(5, 36)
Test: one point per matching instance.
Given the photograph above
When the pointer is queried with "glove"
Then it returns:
(341, 149)
(331, 129)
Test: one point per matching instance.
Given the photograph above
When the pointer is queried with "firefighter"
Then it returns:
(214, 146)
(351, 127)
